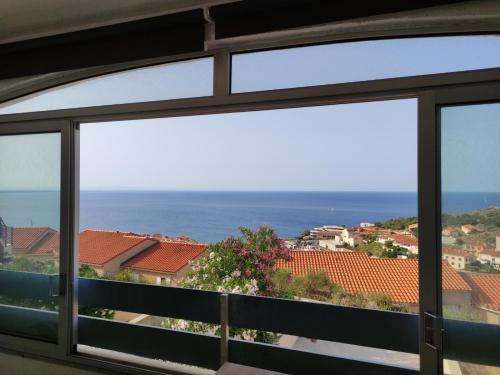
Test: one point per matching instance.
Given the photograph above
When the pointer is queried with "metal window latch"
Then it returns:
(57, 285)
(433, 329)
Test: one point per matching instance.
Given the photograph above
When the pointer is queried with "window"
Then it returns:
(29, 234)
(185, 79)
(177, 204)
(360, 61)
(470, 162)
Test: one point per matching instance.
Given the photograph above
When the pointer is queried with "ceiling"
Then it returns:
(27, 19)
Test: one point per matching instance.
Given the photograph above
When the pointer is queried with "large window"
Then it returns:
(274, 229)
(312, 204)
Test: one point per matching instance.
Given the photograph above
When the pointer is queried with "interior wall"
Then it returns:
(11, 364)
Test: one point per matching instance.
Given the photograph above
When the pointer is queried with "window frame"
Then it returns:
(430, 91)
(67, 226)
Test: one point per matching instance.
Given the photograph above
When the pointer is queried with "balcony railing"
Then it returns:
(463, 341)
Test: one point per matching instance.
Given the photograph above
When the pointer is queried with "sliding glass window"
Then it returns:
(30, 170)
(470, 173)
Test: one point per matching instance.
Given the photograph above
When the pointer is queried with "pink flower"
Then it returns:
(248, 273)
(261, 267)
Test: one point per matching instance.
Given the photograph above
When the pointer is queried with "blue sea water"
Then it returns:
(212, 216)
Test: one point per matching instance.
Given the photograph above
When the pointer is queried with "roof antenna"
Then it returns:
(209, 27)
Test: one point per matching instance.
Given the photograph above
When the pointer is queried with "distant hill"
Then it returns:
(487, 217)
(398, 223)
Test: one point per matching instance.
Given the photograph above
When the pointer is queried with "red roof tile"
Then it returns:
(485, 289)
(402, 239)
(166, 256)
(99, 247)
(24, 238)
(49, 245)
(357, 273)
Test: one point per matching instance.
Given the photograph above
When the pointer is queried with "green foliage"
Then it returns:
(317, 286)
(304, 234)
(394, 251)
(123, 275)
(478, 267)
(489, 217)
(399, 223)
(372, 248)
(461, 314)
(25, 264)
(88, 272)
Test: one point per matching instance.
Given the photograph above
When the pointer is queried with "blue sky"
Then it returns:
(367, 147)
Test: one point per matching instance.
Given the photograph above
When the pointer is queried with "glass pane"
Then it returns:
(29, 234)
(185, 79)
(470, 159)
(360, 61)
(330, 213)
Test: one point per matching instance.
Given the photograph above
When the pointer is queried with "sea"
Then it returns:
(210, 216)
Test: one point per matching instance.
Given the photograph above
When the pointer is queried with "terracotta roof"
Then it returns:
(99, 247)
(49, 245)
(357, 273)
(403, 239)
(24, 238)
(455, 252)
(491, 252)
(485, 289)
(166, 256)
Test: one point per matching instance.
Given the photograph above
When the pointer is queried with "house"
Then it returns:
(105, 251)
(476, 246)
(48, 248)
(28, 241)
(413, 226)
(357, 273)
(491, 257)
(485, 294)
(328, 244)
(470, 228)
(350, 238)
(407, 241)
(458, 259)
(366, 225)
(154, 259)
(166, 262)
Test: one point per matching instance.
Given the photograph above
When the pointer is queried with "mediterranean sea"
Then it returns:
(213, 216)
